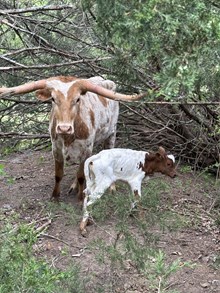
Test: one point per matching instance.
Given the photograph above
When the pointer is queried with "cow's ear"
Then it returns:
(43, 95)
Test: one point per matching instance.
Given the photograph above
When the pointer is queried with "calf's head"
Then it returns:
(160, 162)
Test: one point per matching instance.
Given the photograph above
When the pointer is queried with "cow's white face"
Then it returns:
(66, 99)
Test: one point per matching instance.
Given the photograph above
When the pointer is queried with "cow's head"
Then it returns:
(65, 98)
(160, 162)
(65, 93)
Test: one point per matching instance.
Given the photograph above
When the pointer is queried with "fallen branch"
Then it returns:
(35, 9)
(60, 240)
(23, 136)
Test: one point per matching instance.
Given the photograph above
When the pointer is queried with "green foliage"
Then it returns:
(2, 172)
(20, 271)
(175, 44)
(152, 263)
(137, 245)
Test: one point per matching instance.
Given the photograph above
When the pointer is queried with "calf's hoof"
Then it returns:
(82, 228)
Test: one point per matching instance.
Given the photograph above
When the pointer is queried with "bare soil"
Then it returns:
(26, 188)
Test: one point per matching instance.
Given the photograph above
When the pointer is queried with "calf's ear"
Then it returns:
(162, 151)
(158, 156)
(43, 95)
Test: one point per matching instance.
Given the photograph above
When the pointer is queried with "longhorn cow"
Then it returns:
(84, 112)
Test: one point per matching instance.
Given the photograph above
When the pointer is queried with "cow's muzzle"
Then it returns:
(64, 129)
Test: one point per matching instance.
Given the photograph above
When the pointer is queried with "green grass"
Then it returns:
(134, 240)
(70, 213)
(21, 271)
(2, 172)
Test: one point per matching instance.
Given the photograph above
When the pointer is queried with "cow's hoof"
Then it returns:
(73, 189)
(84, 232)
(55, 199)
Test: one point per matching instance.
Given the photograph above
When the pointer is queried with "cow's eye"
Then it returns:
(77, 101)
(52, 99)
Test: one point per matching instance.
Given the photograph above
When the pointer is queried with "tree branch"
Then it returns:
(23, 136)
(35, 9)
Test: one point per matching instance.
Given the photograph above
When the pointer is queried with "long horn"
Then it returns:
(85, 85)
(24, 88)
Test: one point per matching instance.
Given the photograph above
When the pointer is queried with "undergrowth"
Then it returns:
(21, 271)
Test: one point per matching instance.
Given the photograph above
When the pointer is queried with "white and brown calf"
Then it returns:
(108, 166)
(84, 112)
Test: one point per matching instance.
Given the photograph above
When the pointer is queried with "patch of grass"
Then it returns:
(2, 172)
(216, 262)
(9, 180)
(71, 214)
(158, 270)
(147, 261)
(21, 271)
(119, 203)
(173, 221)
(185, 169)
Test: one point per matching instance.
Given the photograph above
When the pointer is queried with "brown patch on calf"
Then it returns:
(103, 100)
(140, 165)
(136, 194)
(92, 117)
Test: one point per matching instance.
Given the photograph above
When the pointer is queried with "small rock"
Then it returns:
(204, 285)
(216, 283)
(7, 207)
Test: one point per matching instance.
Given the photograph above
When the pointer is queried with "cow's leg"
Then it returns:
(78, 183)
(81, 182)
(59, 166)
(109, 143)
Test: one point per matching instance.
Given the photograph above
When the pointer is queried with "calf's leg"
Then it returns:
(91, 195)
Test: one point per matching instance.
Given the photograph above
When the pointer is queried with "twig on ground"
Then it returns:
(60, 240)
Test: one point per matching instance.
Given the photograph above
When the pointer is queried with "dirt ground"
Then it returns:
(26, 188)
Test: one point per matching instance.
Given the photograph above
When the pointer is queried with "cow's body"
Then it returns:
(94, 123)
(108, 166)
